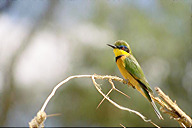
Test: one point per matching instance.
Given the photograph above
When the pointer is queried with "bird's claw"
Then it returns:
(126, 81)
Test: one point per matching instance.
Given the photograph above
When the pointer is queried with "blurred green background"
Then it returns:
(42, 42)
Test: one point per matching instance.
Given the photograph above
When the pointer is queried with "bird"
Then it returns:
(132, 71)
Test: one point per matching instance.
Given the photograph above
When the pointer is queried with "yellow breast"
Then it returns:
(126, 74)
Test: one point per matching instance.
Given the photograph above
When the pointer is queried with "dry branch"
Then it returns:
(171, 108)
(41, 115)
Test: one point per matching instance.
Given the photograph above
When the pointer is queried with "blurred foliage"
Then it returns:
(159, 33)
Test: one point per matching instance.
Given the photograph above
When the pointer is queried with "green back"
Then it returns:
(133, 67)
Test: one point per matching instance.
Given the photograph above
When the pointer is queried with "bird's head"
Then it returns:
(121, 48)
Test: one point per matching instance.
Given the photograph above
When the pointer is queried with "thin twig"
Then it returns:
(97, 86)
(59, 85)
(56, 114)
(122, 126)
(104, 98)
(113, 88)
(119, 106)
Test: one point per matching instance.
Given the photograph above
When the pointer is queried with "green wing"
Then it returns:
(133, 67)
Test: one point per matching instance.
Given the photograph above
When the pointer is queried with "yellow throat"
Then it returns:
(119, 52)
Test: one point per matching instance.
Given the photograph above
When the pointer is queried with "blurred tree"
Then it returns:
(5, 4)
(9, 91)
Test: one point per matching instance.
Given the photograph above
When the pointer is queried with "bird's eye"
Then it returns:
(123, 48)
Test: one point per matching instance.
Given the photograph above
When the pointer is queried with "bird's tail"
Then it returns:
(146, 93)
(156, 110)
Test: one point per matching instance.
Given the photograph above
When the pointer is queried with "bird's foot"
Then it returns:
(126, 81)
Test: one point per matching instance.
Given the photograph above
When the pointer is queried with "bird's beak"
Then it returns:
(111, 45)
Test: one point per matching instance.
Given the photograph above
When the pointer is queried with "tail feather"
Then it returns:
(156, 110)
(145, 92)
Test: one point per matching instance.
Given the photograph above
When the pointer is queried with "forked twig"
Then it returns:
(119, 106)
(41, 115)
(104, 97)
(113, 88)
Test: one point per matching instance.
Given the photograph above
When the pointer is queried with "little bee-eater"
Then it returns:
(132, 72)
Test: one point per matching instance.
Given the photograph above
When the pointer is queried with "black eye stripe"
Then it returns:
(125, 48)
(118, 47)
